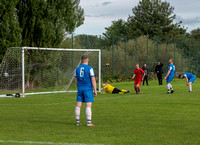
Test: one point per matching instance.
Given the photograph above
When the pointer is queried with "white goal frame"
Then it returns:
(53, 49)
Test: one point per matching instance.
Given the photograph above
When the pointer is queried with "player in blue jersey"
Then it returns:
(85, 80)
(190, 78)
(170, 75)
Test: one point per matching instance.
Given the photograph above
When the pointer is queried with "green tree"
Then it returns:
(10, 34)
(118, 30)
(154, 18)
(195, 33)
(45, 23)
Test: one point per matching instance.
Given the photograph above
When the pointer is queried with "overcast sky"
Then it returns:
(100, 13)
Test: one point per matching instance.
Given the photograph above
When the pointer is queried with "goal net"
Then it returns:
(31, 70)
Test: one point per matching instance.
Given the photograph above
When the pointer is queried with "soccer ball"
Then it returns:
(17, 95)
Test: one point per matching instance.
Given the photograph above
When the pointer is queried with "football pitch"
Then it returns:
(150, 118)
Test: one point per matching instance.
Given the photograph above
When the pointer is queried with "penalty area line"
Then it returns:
(39, 142)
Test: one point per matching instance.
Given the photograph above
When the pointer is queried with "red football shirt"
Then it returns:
(138, 73)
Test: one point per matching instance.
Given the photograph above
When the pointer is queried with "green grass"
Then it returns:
(150, 118)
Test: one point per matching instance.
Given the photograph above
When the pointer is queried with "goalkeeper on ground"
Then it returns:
(113, 90)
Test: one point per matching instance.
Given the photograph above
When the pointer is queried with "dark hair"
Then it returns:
(180, 76)
(84, 57)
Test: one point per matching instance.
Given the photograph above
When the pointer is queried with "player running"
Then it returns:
(138, 78)
(170, 75)
(190, 78)
(113, 90)
(85, 80)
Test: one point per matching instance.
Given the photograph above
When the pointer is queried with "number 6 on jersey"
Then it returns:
(82, 72)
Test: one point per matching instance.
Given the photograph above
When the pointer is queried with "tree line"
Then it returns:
(45, 23)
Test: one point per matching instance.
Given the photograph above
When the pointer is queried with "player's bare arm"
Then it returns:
(167, 74)
(102, 92)
(94, 84)
(187, 81)
(75, 81)
(133, 76)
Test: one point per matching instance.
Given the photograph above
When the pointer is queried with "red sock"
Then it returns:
(136, 89)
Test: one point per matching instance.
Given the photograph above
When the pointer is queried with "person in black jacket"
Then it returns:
(159, 72)
(146, 70)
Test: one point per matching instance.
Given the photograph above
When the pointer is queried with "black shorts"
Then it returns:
(115, 91)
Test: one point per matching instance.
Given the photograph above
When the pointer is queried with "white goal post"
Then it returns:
(35, 70)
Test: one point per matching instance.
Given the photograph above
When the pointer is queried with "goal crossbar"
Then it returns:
(52, 49)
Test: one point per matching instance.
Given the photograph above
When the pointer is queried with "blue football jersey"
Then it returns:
(83, 74)
(172, 70)
(188, 75)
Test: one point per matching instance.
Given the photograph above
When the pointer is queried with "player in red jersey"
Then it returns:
(138, 77)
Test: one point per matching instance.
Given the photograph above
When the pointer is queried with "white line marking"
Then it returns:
(98, 99)
(39, 142)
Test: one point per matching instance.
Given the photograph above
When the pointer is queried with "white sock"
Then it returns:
(168, 88)
(88, 113)
(190, 87)
(77, 114)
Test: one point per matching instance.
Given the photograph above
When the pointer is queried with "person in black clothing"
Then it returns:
(146, 70)
(159, 72)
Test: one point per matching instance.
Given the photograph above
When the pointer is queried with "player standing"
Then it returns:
(85, 80)
(190, 78)
(138, 78)
(170, 75)
(146, 70)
